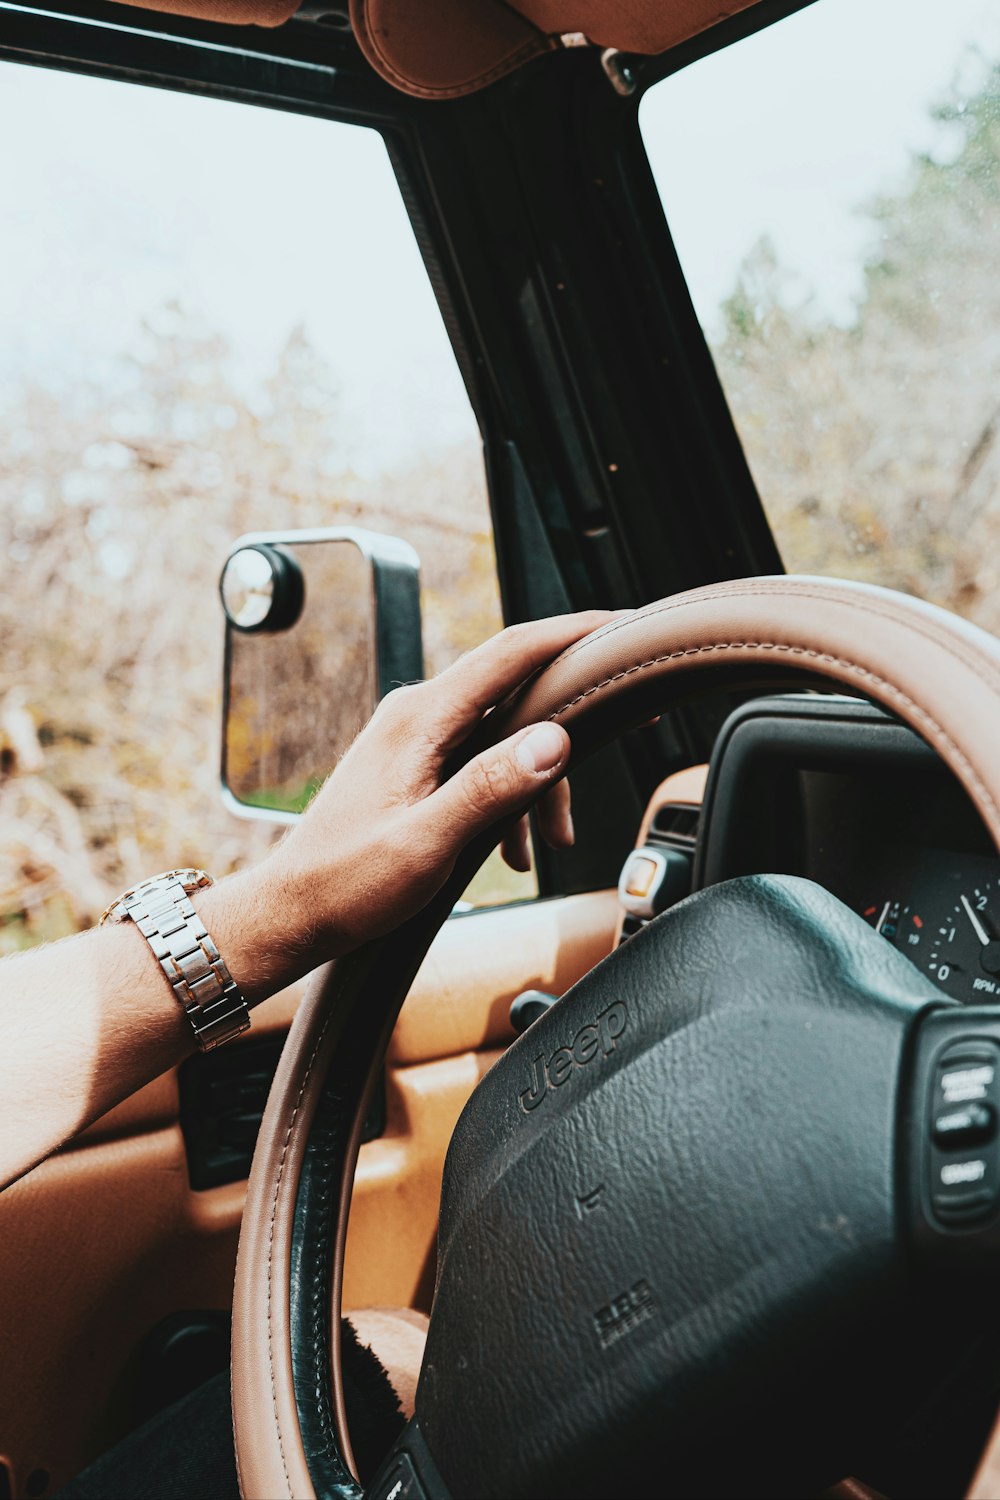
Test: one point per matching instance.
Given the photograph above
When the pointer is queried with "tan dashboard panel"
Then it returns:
(104, 1240)
(986, 1480)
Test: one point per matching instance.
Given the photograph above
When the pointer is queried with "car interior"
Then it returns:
(681, 1155)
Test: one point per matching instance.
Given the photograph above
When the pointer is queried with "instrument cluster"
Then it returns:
(837, 790)
(949, 925)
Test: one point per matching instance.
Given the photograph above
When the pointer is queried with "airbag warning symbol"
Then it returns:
(624, 1313)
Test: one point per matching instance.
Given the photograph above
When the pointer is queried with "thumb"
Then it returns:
(499, 784)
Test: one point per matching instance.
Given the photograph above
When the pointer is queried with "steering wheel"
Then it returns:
(699, 1231)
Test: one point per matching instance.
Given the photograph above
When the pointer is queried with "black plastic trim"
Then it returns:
(801, 730)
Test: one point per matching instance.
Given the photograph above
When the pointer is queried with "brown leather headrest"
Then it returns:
(438, 49)
(230, 12)
(453, 47)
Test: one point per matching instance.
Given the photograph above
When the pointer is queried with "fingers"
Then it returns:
(555, 820)
(555, 824)
(515, 846)
(480, 679)
(499, 784)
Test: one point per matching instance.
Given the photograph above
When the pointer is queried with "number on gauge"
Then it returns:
(965, 951)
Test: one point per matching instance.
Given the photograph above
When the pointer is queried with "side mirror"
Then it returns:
(320, 625)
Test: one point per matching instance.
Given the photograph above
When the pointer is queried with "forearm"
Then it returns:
(85, 1022)
(89, 1020)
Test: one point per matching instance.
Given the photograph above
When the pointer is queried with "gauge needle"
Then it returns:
(977, 926)
(882, 916)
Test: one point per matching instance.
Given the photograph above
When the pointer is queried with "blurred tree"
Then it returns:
(874, 445)
(118, 505)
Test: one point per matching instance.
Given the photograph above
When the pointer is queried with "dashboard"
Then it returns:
(836, 790)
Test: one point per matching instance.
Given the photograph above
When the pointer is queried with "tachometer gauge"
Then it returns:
(964, 956)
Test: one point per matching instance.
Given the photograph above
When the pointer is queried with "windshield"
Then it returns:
(833, 189)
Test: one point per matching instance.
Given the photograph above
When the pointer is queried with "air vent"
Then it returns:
(675, 824)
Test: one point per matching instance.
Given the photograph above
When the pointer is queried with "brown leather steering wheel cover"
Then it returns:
(936, 672)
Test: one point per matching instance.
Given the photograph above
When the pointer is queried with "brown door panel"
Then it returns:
(106, 1239)
(481, 962)
(390, 1245)
(96, 1246)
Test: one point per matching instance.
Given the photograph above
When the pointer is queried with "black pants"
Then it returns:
(185, 1452)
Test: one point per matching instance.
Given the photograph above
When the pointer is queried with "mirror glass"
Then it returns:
(262, 587)
(297, 694)
(248, 588)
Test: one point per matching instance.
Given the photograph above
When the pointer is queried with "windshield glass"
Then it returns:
(832, 185)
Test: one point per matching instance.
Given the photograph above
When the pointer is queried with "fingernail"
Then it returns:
(542, 748)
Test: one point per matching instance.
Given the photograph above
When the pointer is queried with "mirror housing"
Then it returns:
(320, 625)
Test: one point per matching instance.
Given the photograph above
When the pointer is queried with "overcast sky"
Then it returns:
(114, 199)
(790, 132)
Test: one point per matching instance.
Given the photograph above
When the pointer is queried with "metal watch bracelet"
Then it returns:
(195, 969)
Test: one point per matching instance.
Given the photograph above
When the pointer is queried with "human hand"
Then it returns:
(382, 836)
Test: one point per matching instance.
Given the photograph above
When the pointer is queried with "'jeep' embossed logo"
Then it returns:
(596, 1040)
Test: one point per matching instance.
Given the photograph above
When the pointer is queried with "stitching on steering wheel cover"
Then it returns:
(887, 690)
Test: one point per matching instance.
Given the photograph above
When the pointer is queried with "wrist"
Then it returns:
(266, 927)
(161, 910)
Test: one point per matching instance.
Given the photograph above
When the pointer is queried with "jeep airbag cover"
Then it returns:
(666, 1190)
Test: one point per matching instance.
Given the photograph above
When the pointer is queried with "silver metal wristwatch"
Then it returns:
(195, 969)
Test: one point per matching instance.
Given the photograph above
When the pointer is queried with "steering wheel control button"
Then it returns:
(967, 1081)
(399, 1481)
(409, 1471)
(964, 1151)
(968, 1126)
